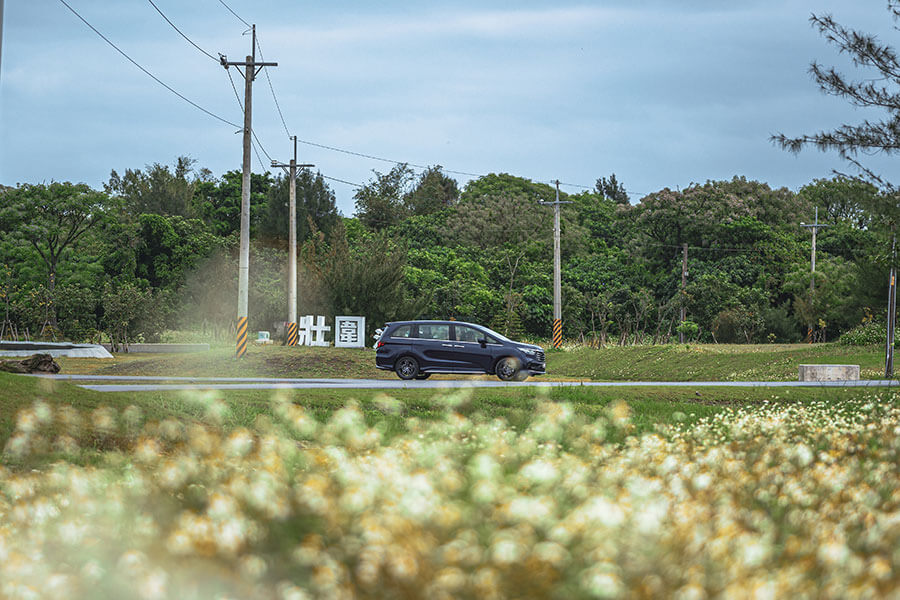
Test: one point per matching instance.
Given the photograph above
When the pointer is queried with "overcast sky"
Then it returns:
(661, 93)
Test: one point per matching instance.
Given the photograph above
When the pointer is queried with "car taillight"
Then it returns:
(379, 345)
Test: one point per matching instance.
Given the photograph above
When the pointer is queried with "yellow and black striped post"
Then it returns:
(557, 333)
(292, 334)
(241, 348)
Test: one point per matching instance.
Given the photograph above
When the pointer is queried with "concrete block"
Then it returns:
(829, 372)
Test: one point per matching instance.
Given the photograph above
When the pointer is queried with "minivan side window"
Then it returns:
(402, 332)
(434, 332)
(467, 334)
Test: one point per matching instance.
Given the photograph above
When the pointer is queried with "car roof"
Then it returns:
(432, 322)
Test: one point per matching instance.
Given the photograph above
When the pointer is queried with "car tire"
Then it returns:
(422, 376)
(406, 367)
(508, 368)
(521, 376)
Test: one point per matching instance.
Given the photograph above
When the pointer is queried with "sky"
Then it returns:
(662, 93)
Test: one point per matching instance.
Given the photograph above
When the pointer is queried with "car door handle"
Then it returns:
(458, 346)
(447, 345)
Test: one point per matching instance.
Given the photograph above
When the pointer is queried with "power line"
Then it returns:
(146, 72)
(423, 167)
(235, 14)
(190, 41)
(272, 89)
(356, 185)
(387, 160)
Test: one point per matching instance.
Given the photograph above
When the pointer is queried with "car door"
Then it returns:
(468, 349)
(435, 346)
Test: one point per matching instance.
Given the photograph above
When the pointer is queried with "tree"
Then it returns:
(842, 199)
(218, 202)
(157, 190)
(879, 90)
(434, 191)
(612, 189)
(379, 204)
(52, 219)
(315, 202)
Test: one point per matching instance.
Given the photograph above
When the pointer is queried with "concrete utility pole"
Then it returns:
(251, 68)
(291, 168)
(812, 279)
(892, 310)
(683, 286)
(557, 276)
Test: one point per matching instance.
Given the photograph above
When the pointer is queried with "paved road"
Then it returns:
(116, 383)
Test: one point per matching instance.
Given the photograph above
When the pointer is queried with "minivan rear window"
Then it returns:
(403, 331)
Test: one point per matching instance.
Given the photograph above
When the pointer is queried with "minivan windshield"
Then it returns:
(495, 334)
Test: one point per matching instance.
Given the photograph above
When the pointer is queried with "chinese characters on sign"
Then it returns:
(312, 335)
(349, 332)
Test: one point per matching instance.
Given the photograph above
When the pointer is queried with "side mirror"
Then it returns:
(483, 342)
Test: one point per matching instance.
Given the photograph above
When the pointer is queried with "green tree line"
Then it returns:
(156, 250)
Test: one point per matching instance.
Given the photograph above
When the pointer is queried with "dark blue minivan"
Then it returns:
(416, 349)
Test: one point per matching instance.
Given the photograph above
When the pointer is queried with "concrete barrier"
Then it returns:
(161, 348)
(829, 372)
(54, 349)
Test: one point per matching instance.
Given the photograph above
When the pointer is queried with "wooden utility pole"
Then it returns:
(251, 68)
(557, 275)
(291, 168)
(683, 286)
(812, 278)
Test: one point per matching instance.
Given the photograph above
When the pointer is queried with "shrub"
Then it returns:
(870, 333)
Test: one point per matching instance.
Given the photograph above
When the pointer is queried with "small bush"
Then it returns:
(869, 333)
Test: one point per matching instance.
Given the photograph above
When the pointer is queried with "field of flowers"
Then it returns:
(779, 501)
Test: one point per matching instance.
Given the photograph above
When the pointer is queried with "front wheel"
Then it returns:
(406, 367)
(508, 368)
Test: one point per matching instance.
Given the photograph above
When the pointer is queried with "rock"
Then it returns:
(36, 363)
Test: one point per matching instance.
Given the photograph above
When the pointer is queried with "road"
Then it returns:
(117, 383)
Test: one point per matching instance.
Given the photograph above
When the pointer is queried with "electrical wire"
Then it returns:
(235, 14)
(146, 72)
(190, 41)
(356, 185)
(272, 89)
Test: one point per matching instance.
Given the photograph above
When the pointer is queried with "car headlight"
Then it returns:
(529, 351)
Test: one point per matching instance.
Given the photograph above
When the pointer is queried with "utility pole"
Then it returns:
(557, 276)
(683, 286)
(812, 279)
(251, 68)
(892, 310)
(291, 168)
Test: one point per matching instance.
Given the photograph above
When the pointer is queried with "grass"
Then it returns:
(693, 362)
(633, 363)
(391, 413)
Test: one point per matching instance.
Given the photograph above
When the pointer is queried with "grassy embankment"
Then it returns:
(637, 363)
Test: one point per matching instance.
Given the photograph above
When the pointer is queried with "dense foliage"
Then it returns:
(157, 250)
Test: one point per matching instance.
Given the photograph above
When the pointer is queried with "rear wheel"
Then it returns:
(406, 367)
(508, 368)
